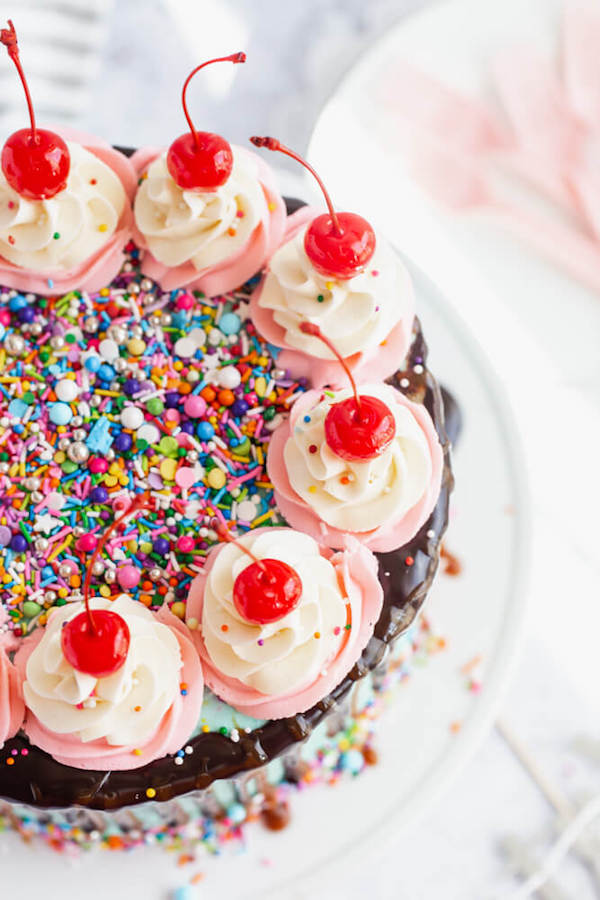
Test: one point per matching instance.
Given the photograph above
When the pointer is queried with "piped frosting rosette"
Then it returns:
(12, 707)
(211, 241)
(75, 240)
(369, 316)
(381, 501)
(279, 669)
(145, 710)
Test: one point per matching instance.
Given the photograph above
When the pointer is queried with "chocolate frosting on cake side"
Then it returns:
(37, 779)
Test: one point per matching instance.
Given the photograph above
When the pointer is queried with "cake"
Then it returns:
(224, 480)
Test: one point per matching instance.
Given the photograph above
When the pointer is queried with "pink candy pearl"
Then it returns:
(97, 465)
(4, 317)
(186, 301)
(87, 543)
(171, 415)
(128, 577)
(194, 406)
(186, 544)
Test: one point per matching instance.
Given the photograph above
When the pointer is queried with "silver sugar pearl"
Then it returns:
(166, 319)
(14, 344)
(98, 567)
(32, 483)
(134, 288)
(119, 365)
(79, 434)
(49, 596)
(110, 576)
(36, 496)
(91, 324)
(57, 342)
(40, 545)
(110, 455)
(77, 531)
(36, 329)
(95, 400)
(77, 422)
(4, 467)
(117, 333)
(78, 452)
(146, 284)
(155, 574)
(192, 455)
(65, 570)
(64, 443)
(136, 331)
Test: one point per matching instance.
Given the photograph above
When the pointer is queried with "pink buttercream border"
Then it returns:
(389, 536)
(174, 730)
(12, 707)
(358, 570)
(375, 365)
(242, 265)
(101, 268)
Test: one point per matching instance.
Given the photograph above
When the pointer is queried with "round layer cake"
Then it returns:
(206, 394)
(224, 472)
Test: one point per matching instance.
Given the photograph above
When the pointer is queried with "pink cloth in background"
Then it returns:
(544, 129)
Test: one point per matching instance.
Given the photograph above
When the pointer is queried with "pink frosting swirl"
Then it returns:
(374, 364)
(12, 707)
(356, 571)
(391, 533)
(99, 269)
(246, 261)
(174, 729)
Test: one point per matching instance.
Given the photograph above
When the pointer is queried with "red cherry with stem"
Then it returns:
(35, 161)
(199, 160)
(97, 643)
(265, 591)
(339, 245)
(358, 428)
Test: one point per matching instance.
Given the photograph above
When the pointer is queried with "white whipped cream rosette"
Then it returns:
(284, 667)
(368, 317)
(123, 720)
(211, 241)
(74, 240)
(381, 501)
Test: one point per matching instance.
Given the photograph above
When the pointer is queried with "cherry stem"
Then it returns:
(273, 144)
(225, 535)
(234, 58)
(138, 503)
(314, 331)
(8, 37)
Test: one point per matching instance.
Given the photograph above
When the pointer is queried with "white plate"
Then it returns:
(480, 612)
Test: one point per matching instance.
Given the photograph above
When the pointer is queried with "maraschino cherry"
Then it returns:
(35, 161)
(199, 160)
(265, 591)
(361, 427)
(339, 245)
(97, 643)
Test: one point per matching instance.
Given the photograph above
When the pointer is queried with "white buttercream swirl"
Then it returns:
(69, 228)
(357, 314)
(201, 227)
(359, 496)
(290, 655)
(124, 708)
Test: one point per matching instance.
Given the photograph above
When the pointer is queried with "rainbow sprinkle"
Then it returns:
(105, 396)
